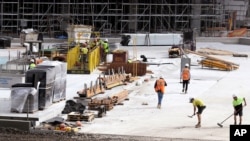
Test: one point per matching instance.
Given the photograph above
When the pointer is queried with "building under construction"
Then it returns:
(113, 17)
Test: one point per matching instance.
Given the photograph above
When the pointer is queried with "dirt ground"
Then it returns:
(13, 134)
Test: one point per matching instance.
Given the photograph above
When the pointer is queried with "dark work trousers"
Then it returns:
(84, 60)
(160, 96)
(185, 85)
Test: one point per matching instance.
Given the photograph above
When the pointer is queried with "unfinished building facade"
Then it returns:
(114, 17)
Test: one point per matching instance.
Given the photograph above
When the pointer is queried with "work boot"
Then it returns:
(159, 106)
(198, 125)
(183, 90)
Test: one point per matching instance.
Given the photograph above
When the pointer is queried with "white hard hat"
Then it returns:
(106, 40)
(186, 65)
(31, 60)
(234, 95)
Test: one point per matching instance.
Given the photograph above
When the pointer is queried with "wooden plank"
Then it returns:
(211, 58)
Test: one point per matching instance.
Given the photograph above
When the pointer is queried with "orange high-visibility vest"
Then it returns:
(185, 74)
(160, 85)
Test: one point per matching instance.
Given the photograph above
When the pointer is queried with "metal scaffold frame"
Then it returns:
(114, 17)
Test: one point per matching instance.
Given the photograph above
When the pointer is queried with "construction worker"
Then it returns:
(32, 64)
(84, 54)
(94, 43)
(105, 49)
(160, 89)
(185, 76)
(199, 104)
(238, 108)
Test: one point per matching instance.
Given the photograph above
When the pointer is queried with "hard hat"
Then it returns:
(160, 77)
(32, 60)
(106, 40)
(186, 65)
(234, 95)
(191, 99)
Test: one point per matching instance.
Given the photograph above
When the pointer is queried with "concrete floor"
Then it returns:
(214, 87)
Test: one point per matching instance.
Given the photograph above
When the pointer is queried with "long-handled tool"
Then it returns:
(190, 116)
(220, 124)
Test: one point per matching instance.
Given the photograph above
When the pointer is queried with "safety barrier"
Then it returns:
(73, 61)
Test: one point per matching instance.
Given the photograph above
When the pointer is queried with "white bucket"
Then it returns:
(109, 58)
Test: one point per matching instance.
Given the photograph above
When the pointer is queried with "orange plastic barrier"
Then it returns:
(237, 32)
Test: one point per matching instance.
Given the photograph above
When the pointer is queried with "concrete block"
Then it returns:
(17, 124)
(244, 41)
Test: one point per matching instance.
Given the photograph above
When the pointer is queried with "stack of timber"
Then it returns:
(213, 62)
(110, 101)
(106, 102)
(118, 98)
(210, 51)
(217, 64)
(92, 90)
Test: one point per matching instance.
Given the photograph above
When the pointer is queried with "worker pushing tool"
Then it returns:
(197, 103)
(238, 108)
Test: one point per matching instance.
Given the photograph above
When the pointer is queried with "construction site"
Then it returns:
(86, 70)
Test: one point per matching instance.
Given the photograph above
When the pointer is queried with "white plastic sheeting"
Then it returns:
(60, 78)
(24, 99)
(155, 39)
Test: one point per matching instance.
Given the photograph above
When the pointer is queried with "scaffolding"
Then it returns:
(114, 17)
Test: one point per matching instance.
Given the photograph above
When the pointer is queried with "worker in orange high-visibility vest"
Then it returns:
(160, 89)
(185, 76)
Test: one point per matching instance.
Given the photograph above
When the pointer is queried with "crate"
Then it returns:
(120, 56)
(76, 116)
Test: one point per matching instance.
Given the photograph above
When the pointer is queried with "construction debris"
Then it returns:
(59, 124)
(72, 106)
